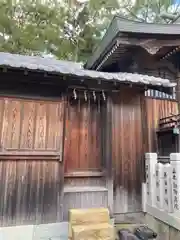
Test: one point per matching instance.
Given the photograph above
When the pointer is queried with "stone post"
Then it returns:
(150, 163)
(175, 163)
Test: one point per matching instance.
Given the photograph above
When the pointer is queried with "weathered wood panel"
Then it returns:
(30, 192)
(128, 143)
(156, 109)
(84, 193)
(85, 183)
(128, 153)
(83, 137)
(31, 189)
(84, 200)
(31, 125)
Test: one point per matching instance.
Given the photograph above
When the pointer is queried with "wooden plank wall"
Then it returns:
(156, 109)
(30, 125)
(30, 190)
(127, 151)
(84, 183)
(83, 136)
(84, 192)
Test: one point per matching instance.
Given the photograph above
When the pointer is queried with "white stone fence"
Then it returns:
(161, 192)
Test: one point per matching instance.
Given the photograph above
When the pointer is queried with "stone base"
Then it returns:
(53, 231)
(164, 231)
(17, 233)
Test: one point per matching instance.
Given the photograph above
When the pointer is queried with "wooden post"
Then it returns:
(145, 142)
(61, 164)
(178, 101)
(178, 90)
(108, 153)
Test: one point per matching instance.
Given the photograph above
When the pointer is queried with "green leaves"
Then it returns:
(151, 10)
(68, 29)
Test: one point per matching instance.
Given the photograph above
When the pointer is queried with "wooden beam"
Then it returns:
(145, 142)
(108, 152)
(178, 100)
(83, 189)
(61, 154)
(29, 155)
(108, 136)
(85, 174)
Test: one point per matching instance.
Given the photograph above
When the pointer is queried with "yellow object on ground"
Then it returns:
(88, 223)
(103, 231)
(88, 216)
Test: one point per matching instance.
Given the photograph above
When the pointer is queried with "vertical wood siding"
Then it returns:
(83, 154)
(30, 190)
(156, 109)
(75, 195)
(29, 125)
(127, 151)
(83, 137)
(84, 200)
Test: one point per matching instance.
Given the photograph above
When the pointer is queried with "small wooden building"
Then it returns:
(151, 49)
(168, 135)
(74, 136)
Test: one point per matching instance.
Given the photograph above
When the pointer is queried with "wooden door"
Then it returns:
(83, 137)
(85, 183)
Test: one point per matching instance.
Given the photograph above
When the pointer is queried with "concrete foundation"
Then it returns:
(54, 231)
(51, 231)
(59, 231)
(164, 231)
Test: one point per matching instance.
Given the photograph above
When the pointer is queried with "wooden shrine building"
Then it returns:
(74, 136)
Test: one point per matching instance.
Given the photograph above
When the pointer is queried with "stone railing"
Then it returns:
(161, 191)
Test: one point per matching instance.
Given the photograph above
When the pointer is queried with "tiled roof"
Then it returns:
(49, 65)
